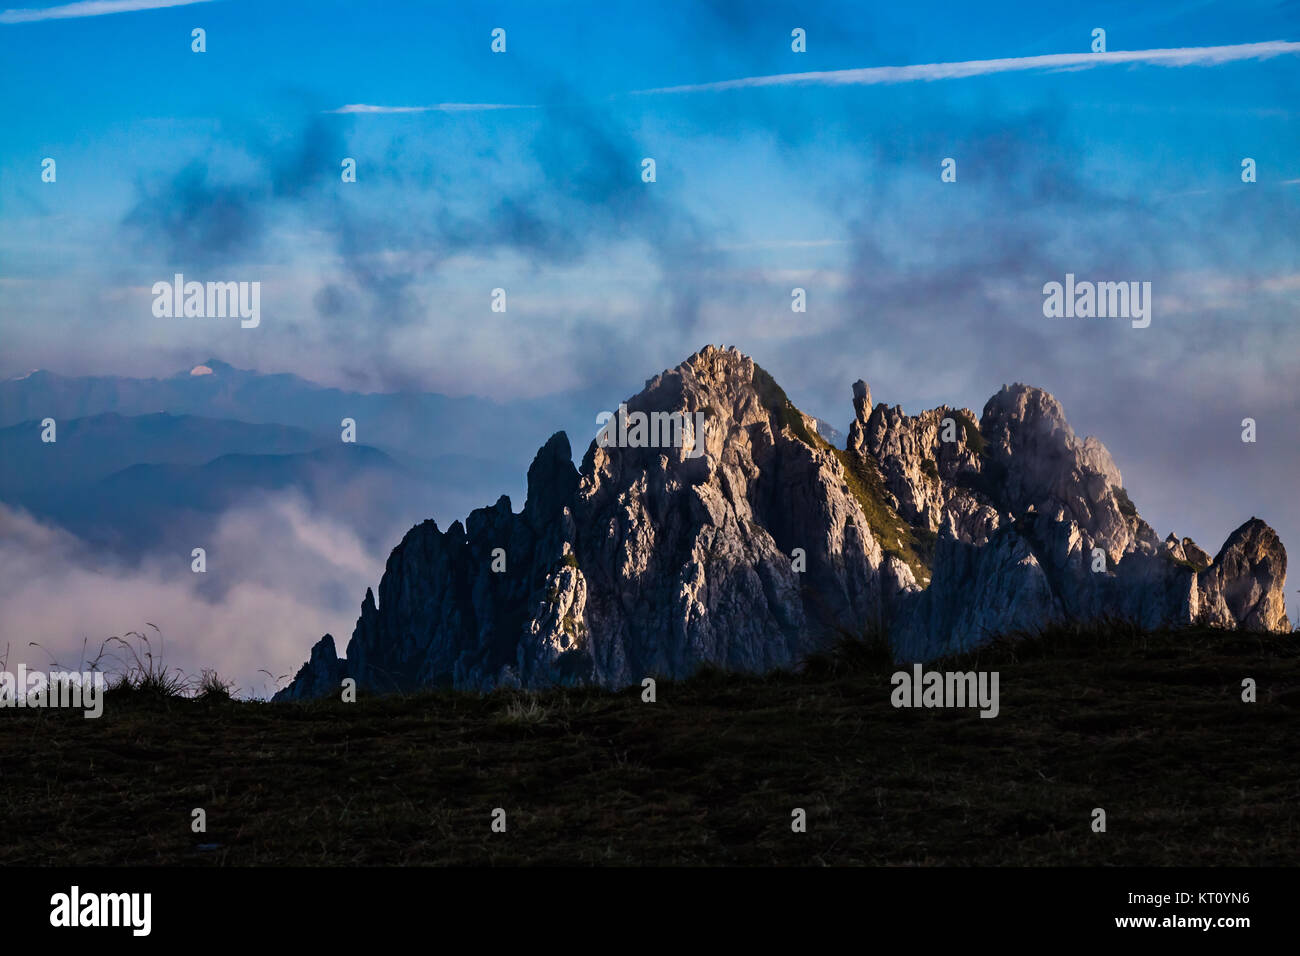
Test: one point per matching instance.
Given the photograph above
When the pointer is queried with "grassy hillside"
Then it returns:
(1149, 727)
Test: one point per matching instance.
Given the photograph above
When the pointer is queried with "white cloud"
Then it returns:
(89, 8)
(781, 244)
(435, 108)
(289, 576)
(874, 75)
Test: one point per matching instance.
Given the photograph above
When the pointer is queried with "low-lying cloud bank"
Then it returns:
(278, 576)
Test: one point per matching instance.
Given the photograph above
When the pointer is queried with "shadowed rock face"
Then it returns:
(656, 560)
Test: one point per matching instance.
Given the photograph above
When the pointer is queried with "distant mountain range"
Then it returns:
(935, 532)
(416, 426)
(145, 464)
(92, 448)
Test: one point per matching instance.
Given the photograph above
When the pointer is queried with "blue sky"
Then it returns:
(225, 165)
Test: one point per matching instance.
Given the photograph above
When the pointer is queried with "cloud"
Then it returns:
(563, 190)
(256, 607)
(197, 218)
(876, 75)
(197, 221)
(367, 108)
(89, 8)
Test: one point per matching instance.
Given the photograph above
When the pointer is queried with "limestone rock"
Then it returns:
(747, 541)
(1246, 584)
(647, 561)
(321, 676)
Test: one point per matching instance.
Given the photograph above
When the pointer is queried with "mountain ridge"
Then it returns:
(936, 530)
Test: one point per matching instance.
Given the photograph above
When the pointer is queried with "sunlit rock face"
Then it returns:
(751, 542)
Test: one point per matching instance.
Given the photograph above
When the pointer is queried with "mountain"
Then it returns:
(828, 431)
(161, 482)
(413, 427)
(1033, 525)
(765, 543)
(149, 507)
(88, 449)
(439, 453)
(170, 507)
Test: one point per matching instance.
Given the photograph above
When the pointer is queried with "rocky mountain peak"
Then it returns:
(733, 534)
(1248, 580)
(861, 400)
(552, 480)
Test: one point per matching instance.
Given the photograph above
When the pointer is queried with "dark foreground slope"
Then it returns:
(1150, 727)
